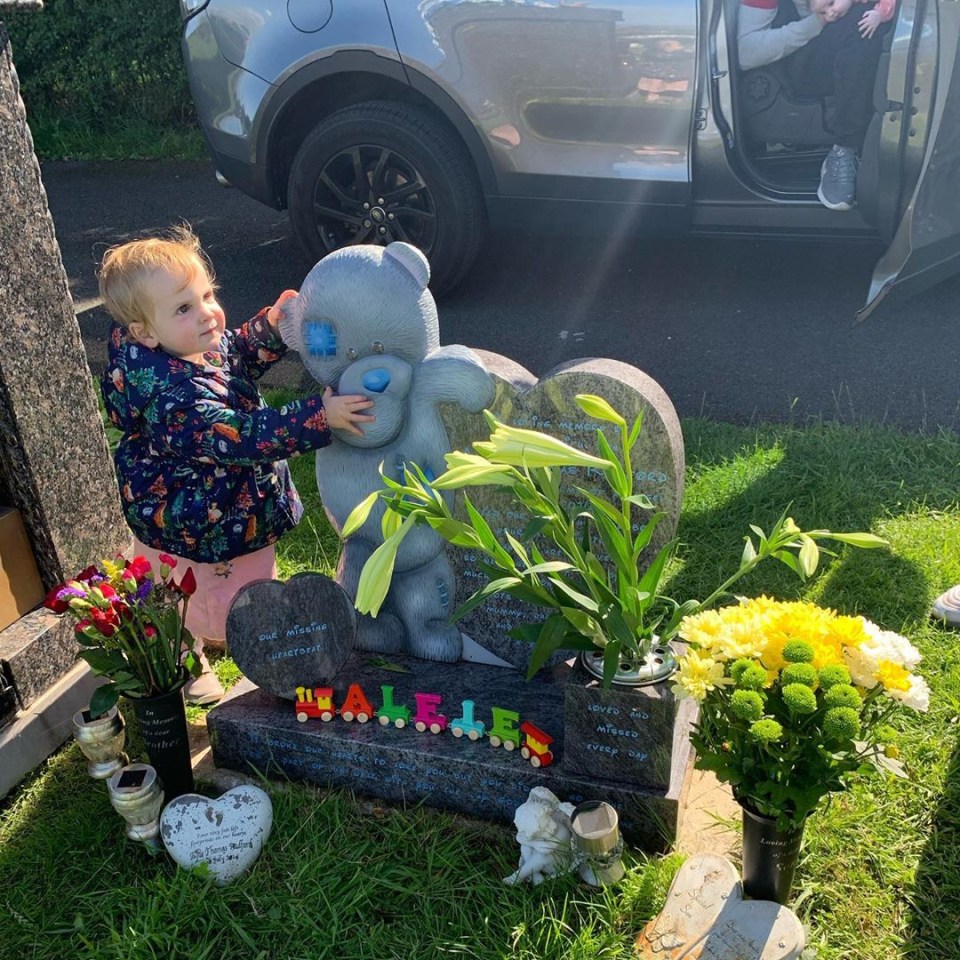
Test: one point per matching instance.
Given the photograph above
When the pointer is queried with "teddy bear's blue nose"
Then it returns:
(377, 380)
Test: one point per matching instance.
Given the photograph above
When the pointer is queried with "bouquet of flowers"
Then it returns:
(794, 700)
(130, 625)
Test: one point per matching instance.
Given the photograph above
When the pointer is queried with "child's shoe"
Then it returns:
(947, 607)
(205, 689)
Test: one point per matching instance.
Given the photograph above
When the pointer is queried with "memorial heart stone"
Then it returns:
(286, 635)
(225, 834)
(706, 918)
(549, 405)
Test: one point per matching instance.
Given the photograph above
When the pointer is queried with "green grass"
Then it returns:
(60, 138)
(879, 876)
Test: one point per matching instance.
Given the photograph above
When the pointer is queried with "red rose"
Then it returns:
(188, 585)
(150, 631)
(171, 562)
(55, 604)
(140, 568)
(87, 573)
(82, 625)
(121, 609)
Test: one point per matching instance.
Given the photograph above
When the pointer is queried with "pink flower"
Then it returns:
(171, 562)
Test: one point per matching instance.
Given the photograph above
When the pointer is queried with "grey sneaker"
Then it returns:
(838, 179)
(947, 607)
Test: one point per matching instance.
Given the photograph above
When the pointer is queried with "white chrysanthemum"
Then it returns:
(887, 645)
(917, 697)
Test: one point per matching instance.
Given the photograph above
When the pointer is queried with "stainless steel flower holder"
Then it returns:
(136, 794)
(101, 741)
(658, 664)
(596, 841)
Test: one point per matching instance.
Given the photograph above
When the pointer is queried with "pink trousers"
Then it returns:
(217, 585)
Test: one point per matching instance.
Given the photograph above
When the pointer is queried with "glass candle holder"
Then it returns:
(596, 842)
(101, 740)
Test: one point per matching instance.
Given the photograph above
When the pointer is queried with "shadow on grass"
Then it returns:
(934, 920)
(830, 477)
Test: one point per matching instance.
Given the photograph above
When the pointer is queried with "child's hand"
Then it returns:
(276, 311)
(343, 412)
(868, 23)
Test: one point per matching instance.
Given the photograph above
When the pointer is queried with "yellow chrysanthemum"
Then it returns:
(698, 675)
(893, 676)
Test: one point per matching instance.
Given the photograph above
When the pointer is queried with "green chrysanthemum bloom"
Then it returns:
(797, 651)
(841, 723)
(746, 704)
(799, 699)
(832, 675)
(799, 673)
(886, 734)
(738, 668)
(843, 695)
(748, 674)
(766, 731)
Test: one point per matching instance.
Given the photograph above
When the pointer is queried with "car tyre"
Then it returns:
(404, 156)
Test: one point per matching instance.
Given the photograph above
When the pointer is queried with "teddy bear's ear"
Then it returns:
(411, 259)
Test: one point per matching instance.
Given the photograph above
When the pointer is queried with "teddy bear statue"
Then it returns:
(543, 832)
(364, 322)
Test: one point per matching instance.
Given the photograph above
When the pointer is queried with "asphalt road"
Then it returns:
(736, 330)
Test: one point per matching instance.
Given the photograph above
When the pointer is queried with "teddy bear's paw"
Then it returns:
(385, 634)
(436, 641)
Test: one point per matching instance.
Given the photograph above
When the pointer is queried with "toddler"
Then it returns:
(201, 465)
(881, 12)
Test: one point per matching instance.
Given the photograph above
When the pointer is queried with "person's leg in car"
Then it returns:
(841, 63)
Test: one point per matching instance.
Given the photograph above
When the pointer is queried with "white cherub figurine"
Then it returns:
(543, 832)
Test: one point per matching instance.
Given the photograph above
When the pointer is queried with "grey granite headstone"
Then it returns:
(287, 635)
(624, 734)
(255, 732)
(549, 405)
(55, 467)
(706, 917)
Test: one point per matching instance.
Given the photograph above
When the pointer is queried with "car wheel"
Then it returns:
(378, 172)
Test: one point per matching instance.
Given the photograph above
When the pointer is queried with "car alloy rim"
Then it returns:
(372, 194)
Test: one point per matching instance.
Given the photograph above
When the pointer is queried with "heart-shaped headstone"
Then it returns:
(286, 635)
(226, 834)
(549, 405)
(706, 918)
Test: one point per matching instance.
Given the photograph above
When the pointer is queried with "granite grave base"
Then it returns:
(257, 731)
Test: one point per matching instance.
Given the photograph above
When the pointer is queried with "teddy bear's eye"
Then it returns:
(377, 346)
(352, 354)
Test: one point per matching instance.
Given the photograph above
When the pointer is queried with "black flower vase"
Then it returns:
(769, 857)
(163, 725)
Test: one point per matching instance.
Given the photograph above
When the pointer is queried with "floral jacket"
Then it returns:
(201, 464)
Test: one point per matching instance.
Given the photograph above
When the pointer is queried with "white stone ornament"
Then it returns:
(226, 834)
(706, 918)
(543, 832)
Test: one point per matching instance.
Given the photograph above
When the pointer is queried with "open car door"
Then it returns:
(918, 154)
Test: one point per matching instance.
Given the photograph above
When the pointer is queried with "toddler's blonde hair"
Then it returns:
(126, 266)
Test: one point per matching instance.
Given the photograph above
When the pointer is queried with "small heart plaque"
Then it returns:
(286, 635)
(226, 834)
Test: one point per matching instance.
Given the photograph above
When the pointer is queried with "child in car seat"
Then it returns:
(201, 466)
(881, 12)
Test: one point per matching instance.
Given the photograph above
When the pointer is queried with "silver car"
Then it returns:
(422, 120)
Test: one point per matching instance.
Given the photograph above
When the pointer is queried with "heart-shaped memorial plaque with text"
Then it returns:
(286, 635)
(225, 834)
(549, 405)
(706, 918)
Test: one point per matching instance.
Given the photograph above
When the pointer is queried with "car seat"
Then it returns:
(770, 112)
